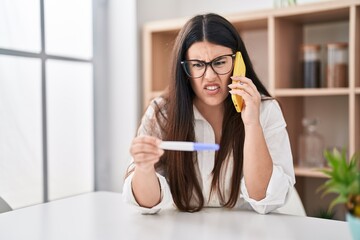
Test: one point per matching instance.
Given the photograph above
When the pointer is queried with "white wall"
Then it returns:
(164, 9)
(123, 85)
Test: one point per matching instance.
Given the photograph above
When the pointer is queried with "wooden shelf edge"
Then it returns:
(288, 92)
(357, 90)
(153, 94)
(315, 7)
(309, 172)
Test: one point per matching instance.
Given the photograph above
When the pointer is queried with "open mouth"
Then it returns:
(212, 88)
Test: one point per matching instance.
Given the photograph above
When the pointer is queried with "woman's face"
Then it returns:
(211, 89)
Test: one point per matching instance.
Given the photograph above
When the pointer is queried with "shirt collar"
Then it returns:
(197, 114)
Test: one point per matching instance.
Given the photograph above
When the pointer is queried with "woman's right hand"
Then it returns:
(146, 152)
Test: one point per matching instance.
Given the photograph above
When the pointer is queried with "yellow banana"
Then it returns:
(239, 70)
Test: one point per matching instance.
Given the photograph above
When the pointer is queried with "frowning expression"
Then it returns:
(211, 74)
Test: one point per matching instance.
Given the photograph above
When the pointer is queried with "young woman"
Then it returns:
(253, 168)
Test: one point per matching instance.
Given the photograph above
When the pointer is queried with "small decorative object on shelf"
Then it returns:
(284, 3)
(311, 145)
(337, 65)
(310, 66)
(345, 182)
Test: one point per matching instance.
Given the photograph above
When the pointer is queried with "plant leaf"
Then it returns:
(337, 200)
(344, 176)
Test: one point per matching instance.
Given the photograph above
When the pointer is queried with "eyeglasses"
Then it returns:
(197, 68)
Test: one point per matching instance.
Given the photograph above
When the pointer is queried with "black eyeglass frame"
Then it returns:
(207, 64)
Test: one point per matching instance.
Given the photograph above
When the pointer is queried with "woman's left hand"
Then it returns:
(245, 88)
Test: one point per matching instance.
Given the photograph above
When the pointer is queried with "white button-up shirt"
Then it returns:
(282, 179)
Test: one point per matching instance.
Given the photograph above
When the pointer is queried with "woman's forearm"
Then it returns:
(146, 188)
(258, 164)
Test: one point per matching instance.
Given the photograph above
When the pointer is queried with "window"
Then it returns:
(46, 100)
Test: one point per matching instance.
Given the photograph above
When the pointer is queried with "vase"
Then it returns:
(354, 224)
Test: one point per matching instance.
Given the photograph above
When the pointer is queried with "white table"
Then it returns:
(104, 216)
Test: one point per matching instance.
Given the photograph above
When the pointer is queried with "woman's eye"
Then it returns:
(219, 63)
(198, 65)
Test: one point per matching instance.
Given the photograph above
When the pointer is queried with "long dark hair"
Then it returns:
(178, 123)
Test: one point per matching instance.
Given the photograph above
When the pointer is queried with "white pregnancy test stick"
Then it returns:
(188, 146)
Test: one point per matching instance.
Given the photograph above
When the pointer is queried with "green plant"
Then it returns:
(344, 180)
(325, 213)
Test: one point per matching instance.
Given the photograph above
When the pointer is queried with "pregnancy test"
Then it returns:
(188, 146)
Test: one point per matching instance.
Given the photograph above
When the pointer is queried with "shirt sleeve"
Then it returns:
(283, 178)
(149, 126)
(165, 202)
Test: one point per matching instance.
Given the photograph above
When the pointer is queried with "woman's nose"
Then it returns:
(210, 73)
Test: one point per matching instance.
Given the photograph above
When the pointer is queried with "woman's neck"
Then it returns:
(214, 115)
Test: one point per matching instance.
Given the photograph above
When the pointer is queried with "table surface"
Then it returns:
(103, 216)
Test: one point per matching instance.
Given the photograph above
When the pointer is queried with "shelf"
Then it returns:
(273, 38)
(309, 172)
(290, 36)
(156, 94)
(291, 92)
(249, 24)
(306, 15)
